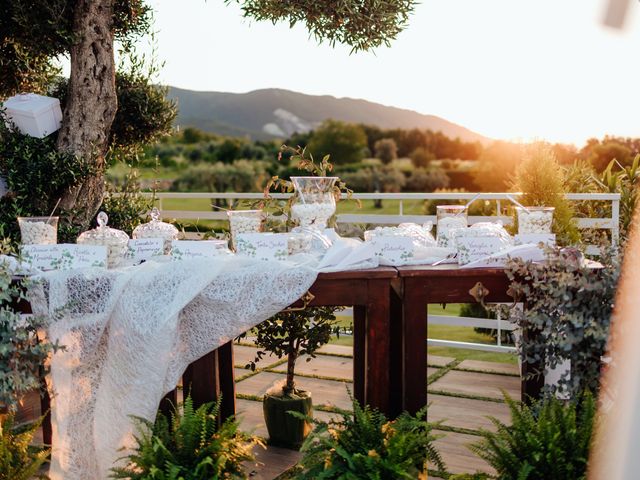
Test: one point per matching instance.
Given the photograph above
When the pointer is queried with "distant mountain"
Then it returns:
(270, 113)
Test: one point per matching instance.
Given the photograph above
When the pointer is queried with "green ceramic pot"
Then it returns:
(285, 430)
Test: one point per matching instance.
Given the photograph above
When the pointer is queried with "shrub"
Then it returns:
(421, 157)
(191, 446)
(427, 180)
(541, 180)
(386, 150)
(549, 440)
(125, 205)
(569, 308)
(364, 444)
(18, 459)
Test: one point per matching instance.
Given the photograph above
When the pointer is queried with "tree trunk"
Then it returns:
(91, 106)
(291, 365)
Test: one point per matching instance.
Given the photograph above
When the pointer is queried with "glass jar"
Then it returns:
(38, 230)
(450, 218)
(299, 242)
(115, 240)
(157, 229)
(315, 201)
(535, 220)
(244, 221)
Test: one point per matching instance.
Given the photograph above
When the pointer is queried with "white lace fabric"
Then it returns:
(129, 334)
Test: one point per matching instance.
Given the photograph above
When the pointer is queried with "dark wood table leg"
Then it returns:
(378, 346)
(415, 345)
(359, 351)
(45, 409)
(532, 373)
(201, 380)
(227, 380)
(396, 377)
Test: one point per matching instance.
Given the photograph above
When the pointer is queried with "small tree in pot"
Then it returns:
(291, 334)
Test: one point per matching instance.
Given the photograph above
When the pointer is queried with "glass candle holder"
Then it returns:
(315, 202)
(450, 218)
(38, 230)
(535, 220)
(244, 221)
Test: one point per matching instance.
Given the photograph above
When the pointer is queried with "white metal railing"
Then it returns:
(610, 223)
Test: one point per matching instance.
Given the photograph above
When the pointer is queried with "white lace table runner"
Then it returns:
(130, 334)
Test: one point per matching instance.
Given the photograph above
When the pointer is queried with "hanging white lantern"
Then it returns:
(34, 115)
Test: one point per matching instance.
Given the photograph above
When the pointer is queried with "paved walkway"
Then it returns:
(461, 396)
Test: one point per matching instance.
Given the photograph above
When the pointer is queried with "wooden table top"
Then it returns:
(447, 270)
(379, 272)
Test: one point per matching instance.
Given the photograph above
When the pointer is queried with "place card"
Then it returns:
(471, 249)
(187, 249)
(64, 256)
(263, 246)
(142, 249)
(393, 250)
(548, 239)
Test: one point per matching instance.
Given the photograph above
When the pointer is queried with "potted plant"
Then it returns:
(291, 334)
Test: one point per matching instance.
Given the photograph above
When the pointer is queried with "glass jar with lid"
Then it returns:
(450, 218)
(156, 228)
(115, 240)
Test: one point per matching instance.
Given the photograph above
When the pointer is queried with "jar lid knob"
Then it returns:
(155, 214)
(102, 219)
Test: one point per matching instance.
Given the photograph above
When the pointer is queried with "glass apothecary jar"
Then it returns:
(245, 221)
(115, 240)
(535, 220)
(450, 218)
(156, 228)
(315, 201)
(38, 230)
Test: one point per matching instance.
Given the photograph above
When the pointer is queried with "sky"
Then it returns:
(508, 69)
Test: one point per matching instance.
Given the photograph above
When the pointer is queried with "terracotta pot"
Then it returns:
(285, 430)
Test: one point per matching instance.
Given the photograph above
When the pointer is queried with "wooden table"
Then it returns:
(372, 297)
(422, 285)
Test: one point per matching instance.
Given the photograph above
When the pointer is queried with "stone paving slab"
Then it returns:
(438, 361)
(330, 348)
(457, 457)
(490, 366)
(431, 371)
(465, 412)
(243, 354)
(324, 392)
(323, 365)
(271, 462)
(478, 384)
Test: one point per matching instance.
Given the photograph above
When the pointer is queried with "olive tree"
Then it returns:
(33, 33)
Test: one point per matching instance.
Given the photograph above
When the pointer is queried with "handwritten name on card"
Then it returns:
(471, 249)
(263, 246)
(142, 249)
(64, 256)
(185, 249)
(393, 250)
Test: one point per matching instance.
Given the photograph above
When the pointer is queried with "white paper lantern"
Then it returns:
(34, 115)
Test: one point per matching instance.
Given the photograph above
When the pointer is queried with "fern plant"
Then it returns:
(189, 446)
(18, 460)
(364, 444)
(549, 440)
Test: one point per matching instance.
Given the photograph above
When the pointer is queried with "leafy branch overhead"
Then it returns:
(361, 24)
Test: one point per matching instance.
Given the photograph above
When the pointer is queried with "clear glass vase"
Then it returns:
(315, 201)
(535, 220)
(450, 219)
(244, 221)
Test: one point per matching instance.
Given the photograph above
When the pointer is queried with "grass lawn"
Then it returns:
(447, 332)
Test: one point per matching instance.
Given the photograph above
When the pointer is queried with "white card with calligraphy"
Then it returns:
(471, 249)
(64, 256)
(142, 249)
(263, 246)
(393, 250)
(185, 249)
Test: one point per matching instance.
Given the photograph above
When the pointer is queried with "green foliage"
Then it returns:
(239, 176)
(345, 142)
(364, 444)
(36, 175)
(426, 180)
(601, 154)
(22, 355)
(623, 180)
(191, 446)
(386, 150)
(496, 165)
(18, 459)
(541, 180)
(125, 205)
(421, 157)
(569, 308)
(294, 333)
(361, 24)
(550, 440)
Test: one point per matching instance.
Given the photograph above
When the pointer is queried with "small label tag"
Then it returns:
(184, 249)
(471, 249)
(263, 246)
(64, 256)
(392, 249)
(142, 249)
